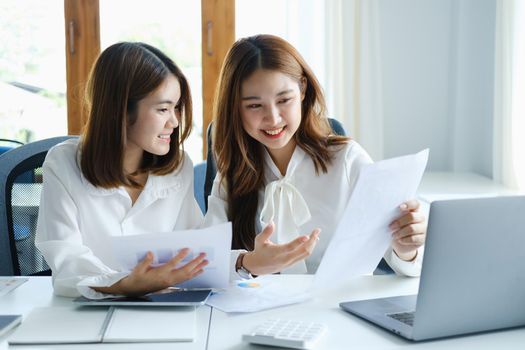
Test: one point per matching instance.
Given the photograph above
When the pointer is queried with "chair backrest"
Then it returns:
(19, 202)
(199, 174)
(8, 144)
(211, 169)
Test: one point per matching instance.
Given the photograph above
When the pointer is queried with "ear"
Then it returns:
(302, 86)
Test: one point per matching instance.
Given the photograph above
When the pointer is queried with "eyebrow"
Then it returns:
(163, 102)
(258, 97)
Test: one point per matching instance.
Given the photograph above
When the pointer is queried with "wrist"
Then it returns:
(245, 264)
(408, 257)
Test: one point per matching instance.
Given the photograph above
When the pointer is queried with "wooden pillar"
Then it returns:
(82, 28)
(218, 35)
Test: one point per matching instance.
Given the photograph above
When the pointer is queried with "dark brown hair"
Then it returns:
(124, 74)
(240, 157)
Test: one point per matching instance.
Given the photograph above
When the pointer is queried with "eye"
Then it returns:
(253, 106)
(162, 110)
(284, 100)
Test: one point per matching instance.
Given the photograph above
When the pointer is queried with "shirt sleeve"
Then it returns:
(75, 268)
(402, 267)
(355, 158)
(218, 213)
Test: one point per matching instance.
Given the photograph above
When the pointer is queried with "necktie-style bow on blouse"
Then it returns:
(285, 206)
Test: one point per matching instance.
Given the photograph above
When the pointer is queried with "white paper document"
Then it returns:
(363, 236)
(7, 284)
(215, 241)
(261, 293)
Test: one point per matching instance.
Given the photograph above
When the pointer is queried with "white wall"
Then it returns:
(437, 59)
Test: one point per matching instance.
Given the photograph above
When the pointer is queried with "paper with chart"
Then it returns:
(263, 292)
(7, 284)
(215, 241)
(363, 236)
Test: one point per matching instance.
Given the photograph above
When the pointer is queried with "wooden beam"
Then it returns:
(82, 28)
(218, 35)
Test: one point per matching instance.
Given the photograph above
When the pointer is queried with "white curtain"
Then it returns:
(509, 99)
(353, 89)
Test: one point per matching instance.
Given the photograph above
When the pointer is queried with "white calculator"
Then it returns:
(286, 333)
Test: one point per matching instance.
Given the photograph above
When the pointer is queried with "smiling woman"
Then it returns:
(134, 177)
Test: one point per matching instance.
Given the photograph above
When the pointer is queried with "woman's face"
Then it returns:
(271, 108)
(157, 116)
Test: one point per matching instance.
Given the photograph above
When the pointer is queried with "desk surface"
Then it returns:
(344, 330)
(38, 292)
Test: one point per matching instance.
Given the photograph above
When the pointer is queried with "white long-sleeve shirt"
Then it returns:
(76, 219)
(302, 200)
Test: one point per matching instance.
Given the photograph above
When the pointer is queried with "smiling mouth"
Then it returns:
(165, 137)
(273, 133)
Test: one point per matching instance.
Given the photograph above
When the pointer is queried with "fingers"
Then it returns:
(409, 230)
(304, 250)
(410, 205)
(145, 264)
(412, 217)
(173, 262)
(265, 233)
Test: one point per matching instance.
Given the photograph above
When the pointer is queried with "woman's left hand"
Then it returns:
(409, 231)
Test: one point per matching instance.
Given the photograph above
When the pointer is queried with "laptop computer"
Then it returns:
(166, 297)
(473, 276)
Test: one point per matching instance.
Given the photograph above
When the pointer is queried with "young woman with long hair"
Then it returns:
(281, 169)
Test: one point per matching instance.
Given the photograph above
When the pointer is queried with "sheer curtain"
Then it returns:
(509, 99)
(353, 86)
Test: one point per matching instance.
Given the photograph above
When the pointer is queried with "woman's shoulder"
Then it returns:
(62, 154)
(351, 151)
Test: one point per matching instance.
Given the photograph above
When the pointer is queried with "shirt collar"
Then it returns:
(297, 157)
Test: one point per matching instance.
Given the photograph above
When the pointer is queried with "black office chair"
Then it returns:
(19, 202)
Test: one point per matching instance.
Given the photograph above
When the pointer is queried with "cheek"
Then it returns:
(250, 121)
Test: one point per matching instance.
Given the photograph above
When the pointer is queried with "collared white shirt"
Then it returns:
(325, 196)
(76, 219)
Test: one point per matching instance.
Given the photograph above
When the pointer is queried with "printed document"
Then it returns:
(215, 241)
(363, 236)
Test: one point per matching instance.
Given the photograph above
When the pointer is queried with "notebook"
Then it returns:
(7, 322)
(70, 325)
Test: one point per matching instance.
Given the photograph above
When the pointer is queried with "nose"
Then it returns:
(273, 115)
(173, 120)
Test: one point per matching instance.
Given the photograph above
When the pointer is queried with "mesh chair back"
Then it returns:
(20, 188)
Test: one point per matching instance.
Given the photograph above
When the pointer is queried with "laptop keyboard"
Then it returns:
(405, 317)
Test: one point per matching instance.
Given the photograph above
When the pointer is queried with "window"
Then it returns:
(32, 70)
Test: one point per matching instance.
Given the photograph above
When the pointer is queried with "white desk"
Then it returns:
(344, 330)
(38, 292)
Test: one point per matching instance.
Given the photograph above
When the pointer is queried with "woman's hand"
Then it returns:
(409, 231)
(145, 279)
(268, 257)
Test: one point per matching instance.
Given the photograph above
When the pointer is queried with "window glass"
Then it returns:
(32, 70)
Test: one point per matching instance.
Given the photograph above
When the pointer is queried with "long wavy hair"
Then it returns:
(124, 74)
(240, 157)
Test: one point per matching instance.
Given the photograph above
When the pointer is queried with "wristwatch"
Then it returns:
(240, 269)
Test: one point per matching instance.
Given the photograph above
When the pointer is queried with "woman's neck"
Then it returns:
(281, 157)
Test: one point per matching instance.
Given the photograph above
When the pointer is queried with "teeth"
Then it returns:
(273, 132)
(164, 136)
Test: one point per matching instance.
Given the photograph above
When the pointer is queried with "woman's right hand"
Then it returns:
(146, 279)
(268, 257)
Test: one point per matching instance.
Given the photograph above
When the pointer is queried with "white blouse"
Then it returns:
(302, 200)
(76, 219)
